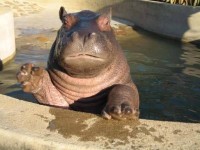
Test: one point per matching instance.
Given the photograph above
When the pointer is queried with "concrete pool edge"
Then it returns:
(23, 126)
(174, 21)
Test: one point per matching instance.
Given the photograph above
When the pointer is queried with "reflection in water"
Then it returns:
(1, 65)
(166, 73)
(191, 56)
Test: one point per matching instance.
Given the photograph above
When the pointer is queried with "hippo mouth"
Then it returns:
(84, 56)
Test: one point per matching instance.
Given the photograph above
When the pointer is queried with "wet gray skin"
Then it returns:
(166, 72)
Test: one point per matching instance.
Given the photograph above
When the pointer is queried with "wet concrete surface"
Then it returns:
(42, 127)
(90, 126)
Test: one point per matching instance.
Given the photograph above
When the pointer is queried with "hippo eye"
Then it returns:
(69, 21)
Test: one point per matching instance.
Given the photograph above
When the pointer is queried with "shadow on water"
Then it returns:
(19, 94)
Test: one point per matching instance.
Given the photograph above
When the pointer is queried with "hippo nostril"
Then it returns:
(88, 36)
(91, 34)
(74, 35)
(23, 67)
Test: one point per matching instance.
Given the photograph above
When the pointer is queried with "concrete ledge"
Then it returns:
(7, 36)
(175, 21)
(27, 125)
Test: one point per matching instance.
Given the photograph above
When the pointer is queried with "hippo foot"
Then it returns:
(120, 112)
(122, 104)
(29, 76)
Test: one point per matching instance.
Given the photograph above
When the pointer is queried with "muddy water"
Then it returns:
(166, 72)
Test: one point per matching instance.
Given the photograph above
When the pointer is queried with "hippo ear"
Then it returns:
(104, 20)
(62, 13)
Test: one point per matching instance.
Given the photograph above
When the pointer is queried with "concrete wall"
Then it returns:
(176, 21)
(88, 4)
(7, 36)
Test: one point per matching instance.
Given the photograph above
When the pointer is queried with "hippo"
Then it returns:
(86, 69)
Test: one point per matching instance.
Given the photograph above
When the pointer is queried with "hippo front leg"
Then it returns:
(123, 103)
(36, 80)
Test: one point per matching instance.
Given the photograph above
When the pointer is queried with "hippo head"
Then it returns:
(85, 44)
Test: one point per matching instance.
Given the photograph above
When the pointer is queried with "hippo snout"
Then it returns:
(83, 37)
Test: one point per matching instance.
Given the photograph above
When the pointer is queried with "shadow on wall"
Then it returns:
(1, 65)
